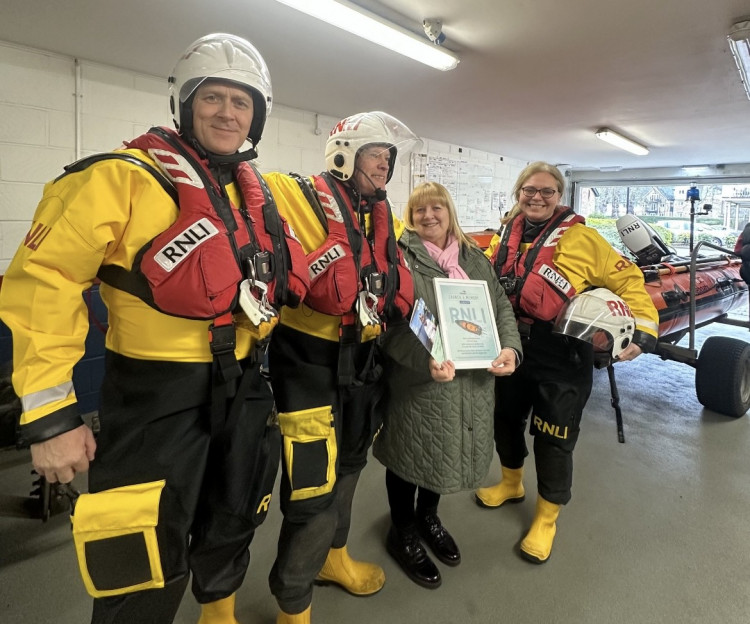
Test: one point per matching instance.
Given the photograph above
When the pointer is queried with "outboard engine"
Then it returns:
(641, 239)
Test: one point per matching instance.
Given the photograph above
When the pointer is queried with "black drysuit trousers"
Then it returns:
(155, 423)
(549, 390)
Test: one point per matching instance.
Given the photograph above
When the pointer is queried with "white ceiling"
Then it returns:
(536, 78)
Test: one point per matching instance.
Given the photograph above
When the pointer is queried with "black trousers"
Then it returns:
(551, 387)
(304, 373)
(155, 422)
(401, 495)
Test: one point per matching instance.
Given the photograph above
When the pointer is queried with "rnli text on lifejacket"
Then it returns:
(319, 267)
(187, 241)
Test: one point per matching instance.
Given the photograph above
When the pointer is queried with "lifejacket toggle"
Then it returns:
(257, 309)
(367, 305)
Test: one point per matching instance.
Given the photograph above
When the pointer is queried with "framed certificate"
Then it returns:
(467, 322)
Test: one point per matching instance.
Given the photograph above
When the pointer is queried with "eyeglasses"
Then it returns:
(530, 191)
(377, 153)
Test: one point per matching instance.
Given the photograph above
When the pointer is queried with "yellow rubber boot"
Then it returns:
(297, 618)
(509, 490)
(537, 545)
(218, 612)
(357, 577)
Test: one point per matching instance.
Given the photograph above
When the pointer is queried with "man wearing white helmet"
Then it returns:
(182, 230)
(323, 358)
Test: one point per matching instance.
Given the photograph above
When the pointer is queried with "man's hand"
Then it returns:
(61, 457)
(442, 371)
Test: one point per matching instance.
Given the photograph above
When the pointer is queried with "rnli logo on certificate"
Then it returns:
(554, 278)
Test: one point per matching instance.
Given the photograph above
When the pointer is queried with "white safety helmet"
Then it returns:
(224, 57)
(600, 317)
(350, 135)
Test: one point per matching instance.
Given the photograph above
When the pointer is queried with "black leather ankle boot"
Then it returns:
(404, 546)
(438, 539)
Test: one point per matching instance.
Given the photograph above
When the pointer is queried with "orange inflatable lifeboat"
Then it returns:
(718, 285)
(691, 293)
(718, 289)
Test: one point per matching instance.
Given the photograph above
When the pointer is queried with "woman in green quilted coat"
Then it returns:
(437, 435)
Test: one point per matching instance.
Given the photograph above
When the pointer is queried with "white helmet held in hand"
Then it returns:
(222, 57)
(357, 131)
(600, 317)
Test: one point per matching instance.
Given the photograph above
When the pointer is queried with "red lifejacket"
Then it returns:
(538, 291)
(350, 262)
(193, 268)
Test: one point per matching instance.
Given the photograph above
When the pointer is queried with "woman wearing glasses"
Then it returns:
(544, 254)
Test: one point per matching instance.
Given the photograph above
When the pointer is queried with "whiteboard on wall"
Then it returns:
(479, 195)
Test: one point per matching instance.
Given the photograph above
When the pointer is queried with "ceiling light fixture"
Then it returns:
(613, 138)
(353, 19)
(739, 45)
(696, 170)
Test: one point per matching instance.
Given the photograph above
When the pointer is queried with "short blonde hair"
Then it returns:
(435, 193)
(530, 170)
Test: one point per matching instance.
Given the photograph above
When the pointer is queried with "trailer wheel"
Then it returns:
(722, 375)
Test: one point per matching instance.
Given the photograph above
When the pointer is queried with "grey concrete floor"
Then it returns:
(657, 531)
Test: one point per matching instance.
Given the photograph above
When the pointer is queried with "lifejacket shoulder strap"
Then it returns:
(355, 239)
(222, 208)
(392, 282)
(114, 275)
(282, 260)
(85, 163)
(501, 253)
(311, 196)
(541, 239)
(548, 231)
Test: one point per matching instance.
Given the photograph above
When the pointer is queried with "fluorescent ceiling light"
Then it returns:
(739, 45)
(353, 19)
(692, 170)
(611, 137)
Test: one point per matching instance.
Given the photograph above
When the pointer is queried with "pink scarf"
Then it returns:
(447, 258)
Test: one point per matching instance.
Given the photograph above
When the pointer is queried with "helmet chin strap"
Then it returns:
(217, 160)
(231, 159)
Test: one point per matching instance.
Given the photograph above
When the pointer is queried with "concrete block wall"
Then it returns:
(42, 129)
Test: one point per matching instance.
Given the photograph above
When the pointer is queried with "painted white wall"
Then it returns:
(38, 131)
